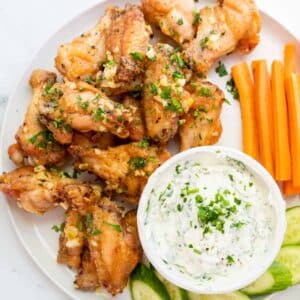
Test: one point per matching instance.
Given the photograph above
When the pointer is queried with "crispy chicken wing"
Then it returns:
(221, 29)
(174, 17)
(124, 168)
(201, 125)
(71, 240)
(35, 144)
(137, 126)
(38, 190)
(116, 250)
(85, 108)
(111, 55)
(164, 98)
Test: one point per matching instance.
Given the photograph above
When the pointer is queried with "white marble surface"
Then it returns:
(24, 26)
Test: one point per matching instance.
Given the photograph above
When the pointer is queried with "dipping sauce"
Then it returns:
(210, 219)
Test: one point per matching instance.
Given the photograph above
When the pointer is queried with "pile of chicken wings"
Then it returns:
(118, 100)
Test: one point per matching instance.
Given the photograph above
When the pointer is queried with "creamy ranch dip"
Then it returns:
(210, 219)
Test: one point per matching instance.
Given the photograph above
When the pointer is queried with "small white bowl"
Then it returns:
(277, 201)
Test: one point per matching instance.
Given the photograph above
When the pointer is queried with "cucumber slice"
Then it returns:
(276, 278)
(231, 296)
(290, 257)
(292, 234)
(175, 292)
(144, 285)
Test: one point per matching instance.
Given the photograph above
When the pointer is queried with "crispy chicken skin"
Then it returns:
(164, 99)
(112, 54)
(71, 241)
(85, 108)
(230, 25)
(38, 190)
(116, 259)
(35, 144)
(137, 126)
(202, 125)
(174, 17)
(87, 277)
(125, 168)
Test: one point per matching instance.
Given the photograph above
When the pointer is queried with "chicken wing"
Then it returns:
(201, 125)
(112, 55)
(35, 144)
(85, 108)
(221, 29)
(71, 240)
(174, 17)
(125, 168)
(38, 190)
(116, 250)
(164, 98)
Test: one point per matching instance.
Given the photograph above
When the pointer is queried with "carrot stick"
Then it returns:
(263, 107)
(242, 78)
(281, 125)
(289, 189)
(293, 96)
(289, 59)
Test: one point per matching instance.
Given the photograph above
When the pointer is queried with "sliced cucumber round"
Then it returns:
(292, 234)
(230, 296)
(144, 285)
(175, 292)
(290, 257)
(278, 277)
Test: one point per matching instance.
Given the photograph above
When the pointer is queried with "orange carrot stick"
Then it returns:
(293, 97)
(242, 78)
(281, 125)
(289, 59)
(289, 189)
(263, 109)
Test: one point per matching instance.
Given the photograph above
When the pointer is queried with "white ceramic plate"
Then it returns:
(35, 232)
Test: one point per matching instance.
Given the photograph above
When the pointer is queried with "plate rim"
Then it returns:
(14, 92)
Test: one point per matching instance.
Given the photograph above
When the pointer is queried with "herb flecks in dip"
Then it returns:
(210, 219)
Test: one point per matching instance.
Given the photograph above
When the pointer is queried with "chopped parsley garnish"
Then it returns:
(205, 91)
(174, 105)
(89, 221)
(237, 201)
(179, 207)
(203, 43)
(231, 88)
(96, 231)
(79, 224)
(144, 143)
(230, 259)
(153, 89)
(52, 94)
(197, 251)
(238, 225)
(178, 59)
(177, 75)
(180, 21)
(166, 93)
(227, 101)
(116, 227)
(231, 177)
(178, 169)
(137, 56)
(221, 70)
(137, 162)
(197, 18)
(42, 139)
(98, 114)
(58, 228)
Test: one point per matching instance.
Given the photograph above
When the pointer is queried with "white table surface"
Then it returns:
(24, 26)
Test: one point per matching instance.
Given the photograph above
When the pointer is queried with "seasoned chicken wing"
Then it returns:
(164, 98)
(221, 29)
(100, 140)
(112, 55)
(35, 144)
(116, 250)
(38, 190)
(201, 125)
(125, 168)
(71, 240)
(85, 108)
(174, 17)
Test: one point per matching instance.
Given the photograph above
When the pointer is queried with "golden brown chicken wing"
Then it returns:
(164, 98)
(221, 29)
(85, 108)
(38, 190)
(71, 240)
(174, 17)
(125, 168)
(201, 125)
(112, 55)
(116, 250)
(35, 144)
